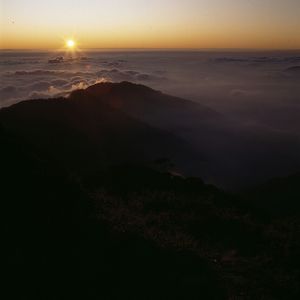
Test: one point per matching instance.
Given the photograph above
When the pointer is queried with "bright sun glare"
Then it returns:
(70, 44)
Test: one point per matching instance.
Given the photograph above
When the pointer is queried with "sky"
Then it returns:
(44, 24)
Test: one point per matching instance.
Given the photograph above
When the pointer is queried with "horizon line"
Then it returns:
(155, 49)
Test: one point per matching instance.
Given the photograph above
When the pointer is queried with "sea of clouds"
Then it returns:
(28, 75)
(254, 87)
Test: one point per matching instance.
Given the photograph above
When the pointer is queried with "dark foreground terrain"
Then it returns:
(93, 209)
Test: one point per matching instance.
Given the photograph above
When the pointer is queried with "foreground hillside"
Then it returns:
(93, 209)
(58, 246)
(140, 234)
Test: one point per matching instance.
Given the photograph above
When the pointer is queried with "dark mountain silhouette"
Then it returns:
(86, 135)
(93, 209)
(119, 122)
(149, 105)
(261, 151)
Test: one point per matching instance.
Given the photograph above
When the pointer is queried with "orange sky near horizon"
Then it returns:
(264, 24)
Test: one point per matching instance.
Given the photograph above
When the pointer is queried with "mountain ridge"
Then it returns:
(199, 141)
(87, 133)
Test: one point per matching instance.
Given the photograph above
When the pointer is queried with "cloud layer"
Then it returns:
(23, 78)
(258, 87)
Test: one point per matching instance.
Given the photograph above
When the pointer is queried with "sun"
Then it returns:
(70, 44)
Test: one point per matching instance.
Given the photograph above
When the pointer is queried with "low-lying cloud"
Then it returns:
(249, 86)
(44, 83)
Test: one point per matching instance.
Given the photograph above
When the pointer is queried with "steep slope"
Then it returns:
(56, 246)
